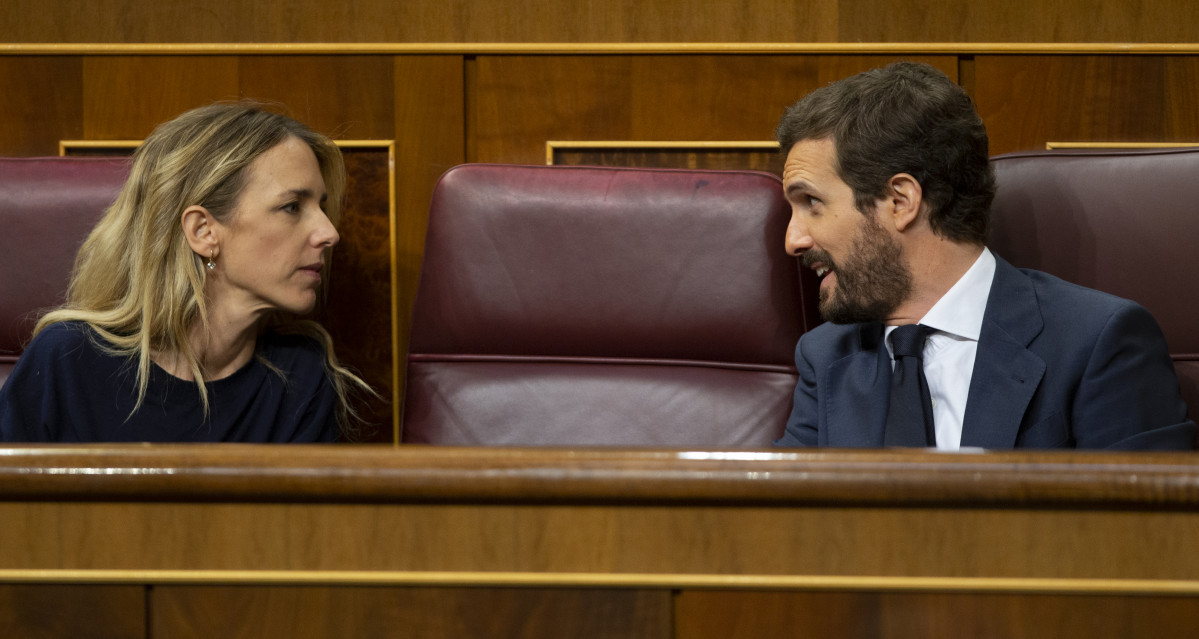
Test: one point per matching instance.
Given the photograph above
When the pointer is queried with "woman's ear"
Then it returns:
(907, 199)
(199, 227)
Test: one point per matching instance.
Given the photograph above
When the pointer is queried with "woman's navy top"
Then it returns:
(65, 388)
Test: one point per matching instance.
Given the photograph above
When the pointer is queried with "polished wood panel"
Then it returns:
(689, 157)
(610, 21)
(573, 545)
(422, 21)
(1065, 522)
(40, 102)
(53, 611)
(431, 138)
(315, 541)
(344, 97)
(1016, 21)
(411, 613)
(848, 615)
(371, 474)
(125, 97)
(1027, 101)
(520, 102)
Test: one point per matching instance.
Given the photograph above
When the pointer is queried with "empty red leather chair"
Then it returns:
(604, 306)
(47, 208)
(1123, 222)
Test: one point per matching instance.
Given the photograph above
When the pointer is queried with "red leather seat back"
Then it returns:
(1123, 222)
(601, 306)
(47, 208)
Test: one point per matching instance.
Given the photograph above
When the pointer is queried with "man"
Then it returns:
(890, 185)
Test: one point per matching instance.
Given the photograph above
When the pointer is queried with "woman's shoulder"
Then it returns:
(61, 338)
(65, 354)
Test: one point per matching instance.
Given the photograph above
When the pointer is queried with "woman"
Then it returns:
(180, 322)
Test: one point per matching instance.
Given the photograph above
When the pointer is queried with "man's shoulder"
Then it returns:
(1064, 298)
(831, 341)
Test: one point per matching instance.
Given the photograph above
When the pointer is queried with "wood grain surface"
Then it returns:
(316, 541)
(415, 613)
(608, 21)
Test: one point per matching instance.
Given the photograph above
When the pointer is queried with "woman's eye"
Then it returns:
(292, 207)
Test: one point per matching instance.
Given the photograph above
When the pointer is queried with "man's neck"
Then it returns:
(941, 263)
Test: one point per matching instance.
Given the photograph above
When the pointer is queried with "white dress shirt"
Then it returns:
(949, 353)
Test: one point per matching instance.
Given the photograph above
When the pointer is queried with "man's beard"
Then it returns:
(872, 281)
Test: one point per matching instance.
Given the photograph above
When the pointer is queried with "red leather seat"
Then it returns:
(603, 306)
(1123, 222)
(47, 208)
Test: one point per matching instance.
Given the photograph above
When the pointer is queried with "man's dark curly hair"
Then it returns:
(904, 118)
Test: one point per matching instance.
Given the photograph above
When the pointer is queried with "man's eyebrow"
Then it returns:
(797, 187)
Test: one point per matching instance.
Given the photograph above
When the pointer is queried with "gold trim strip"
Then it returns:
(599, 48)
(1050, 146)
(610, 580)
(392, 230)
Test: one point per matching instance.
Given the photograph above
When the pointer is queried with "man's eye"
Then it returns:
(291, 207)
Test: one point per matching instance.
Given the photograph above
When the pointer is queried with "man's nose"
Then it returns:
(797, 239)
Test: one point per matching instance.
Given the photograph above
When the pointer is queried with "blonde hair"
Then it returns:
(137, 282)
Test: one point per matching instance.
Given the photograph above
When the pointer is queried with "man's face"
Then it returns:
(864, 276)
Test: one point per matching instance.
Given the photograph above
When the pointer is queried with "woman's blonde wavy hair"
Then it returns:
(137, 282)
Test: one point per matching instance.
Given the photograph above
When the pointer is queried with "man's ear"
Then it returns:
(199, 227)
(906, 198)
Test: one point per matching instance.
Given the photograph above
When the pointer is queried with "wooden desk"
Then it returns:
(344, 541)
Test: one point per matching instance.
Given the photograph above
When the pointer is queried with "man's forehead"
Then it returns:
(809, 160)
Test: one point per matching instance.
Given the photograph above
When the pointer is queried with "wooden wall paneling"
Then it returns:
(734, 97)
(517, 103)
(52, 611)
(430, 125)
(41, 98)
(520, 102)
(890, 615)
(421, 21)
(1181, 95)
(566, 539)
(1016, 21)
(749, 155)
(125, 97)
(348, 98)
(1027, 101)
(608, 21)
(249, 612)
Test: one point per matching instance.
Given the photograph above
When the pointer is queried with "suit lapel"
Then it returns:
(856, 414)
(1006, 374)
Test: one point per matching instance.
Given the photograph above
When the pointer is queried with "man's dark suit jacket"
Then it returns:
(1058, 366)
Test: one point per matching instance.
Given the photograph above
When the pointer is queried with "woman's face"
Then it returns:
(275, 243)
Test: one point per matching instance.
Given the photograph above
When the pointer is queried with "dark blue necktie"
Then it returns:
(910, 412)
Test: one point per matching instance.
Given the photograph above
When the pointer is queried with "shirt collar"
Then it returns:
(960, 311)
